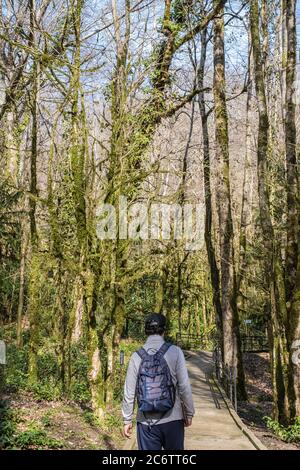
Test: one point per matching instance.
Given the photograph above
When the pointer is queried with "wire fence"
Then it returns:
(204, 341)
(255, 343)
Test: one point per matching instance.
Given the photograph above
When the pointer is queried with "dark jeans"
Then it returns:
(167, 436)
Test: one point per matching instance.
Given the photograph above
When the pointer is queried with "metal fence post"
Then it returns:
(235, 394)
(227, 376)
(230, 381)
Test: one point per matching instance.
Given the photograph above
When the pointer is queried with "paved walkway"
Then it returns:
(213, 427)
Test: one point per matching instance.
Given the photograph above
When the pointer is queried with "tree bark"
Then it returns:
(292, 264)
(24, 246)
(272, 266)
(230, 321)
(214, 270)
(34, 274)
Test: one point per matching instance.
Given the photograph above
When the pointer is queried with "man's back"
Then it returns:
(156, 431)
(176, 362)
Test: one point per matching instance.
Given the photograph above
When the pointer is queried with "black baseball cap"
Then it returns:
(155, 324)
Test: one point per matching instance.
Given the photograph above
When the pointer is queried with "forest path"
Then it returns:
(213, 425)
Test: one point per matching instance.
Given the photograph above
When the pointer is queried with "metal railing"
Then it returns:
(226, 376)
(191, 341)
(250, 343)
(254, 343)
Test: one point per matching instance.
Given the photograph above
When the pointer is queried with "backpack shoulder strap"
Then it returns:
(164, 348)
(142, 353)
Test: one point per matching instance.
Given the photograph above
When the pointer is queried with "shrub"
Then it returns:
(35, 437)
(45, 390)
(289, 433)
(16, 370)
(79, 392)
(32, 438)
(8, 420)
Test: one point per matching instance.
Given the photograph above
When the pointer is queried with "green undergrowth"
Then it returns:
(43, 416)
(32, 436)
(289, 433)
(26, 423)
(49, 385)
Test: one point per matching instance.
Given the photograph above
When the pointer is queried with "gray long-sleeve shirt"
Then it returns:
(176, 362)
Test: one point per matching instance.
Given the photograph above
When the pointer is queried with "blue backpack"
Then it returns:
(155, 388)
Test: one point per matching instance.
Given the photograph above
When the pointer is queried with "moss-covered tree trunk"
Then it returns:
(197, 316)
(160, 291)
(247, 189)
(230, 321)
(208, 235)
(25, 239)
(292, 274)
(35, 265)
(85, 292)
(22, 273)
(11, 153)
(35, 290)
(272, 263)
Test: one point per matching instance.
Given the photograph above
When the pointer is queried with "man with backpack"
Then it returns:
(157, 377)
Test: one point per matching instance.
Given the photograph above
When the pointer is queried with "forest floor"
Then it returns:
(259, 388)
(39, 424)
(28, 422)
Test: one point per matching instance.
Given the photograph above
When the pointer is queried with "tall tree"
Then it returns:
(230, 321)
(293, 211)
(208, 233)
(272, 268)
(35, 262)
